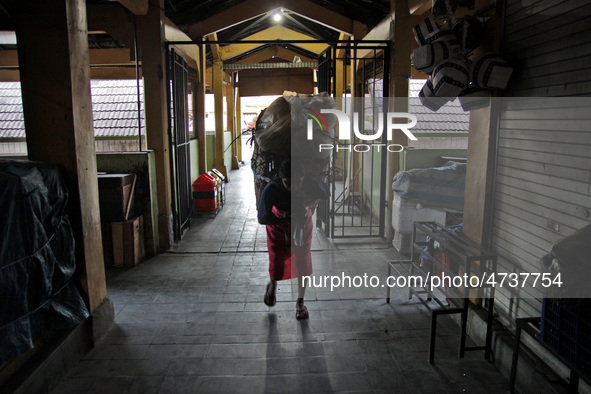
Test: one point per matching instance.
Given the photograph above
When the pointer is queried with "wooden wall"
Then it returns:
(275, 81)
(121, 145)
(100, 145)
(543, 165)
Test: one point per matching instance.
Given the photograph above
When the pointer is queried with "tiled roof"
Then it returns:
(450, 118)
(114, 109)
(114, 104)
(11, 111)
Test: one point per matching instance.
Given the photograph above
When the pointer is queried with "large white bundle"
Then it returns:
(470, 31)
(273, 128)
(450, 78)
(443, 8)
(428, 98)
(406, 211)
(443, 35)
(491, 71)
(425, 30)
(474, 98)
(425, 58)
(299, 106)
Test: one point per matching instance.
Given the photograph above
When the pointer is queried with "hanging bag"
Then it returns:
(490, 71)
(428, 98)
(450, 78)
(425, 58)
(425, 30)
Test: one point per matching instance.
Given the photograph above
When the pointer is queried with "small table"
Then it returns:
(467, 255)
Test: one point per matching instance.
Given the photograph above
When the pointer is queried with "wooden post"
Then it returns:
(339, 79)
(230, 119)
(58, 118)
(482, 145)
(218, 99)
(479, 172)
(199, 112)
(238, 126)
(151, 37)
(402, 39)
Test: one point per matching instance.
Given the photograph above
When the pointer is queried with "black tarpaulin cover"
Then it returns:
(569, 257)
(37, 261)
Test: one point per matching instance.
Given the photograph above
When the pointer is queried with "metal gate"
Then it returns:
(180, 150)
(356, 178)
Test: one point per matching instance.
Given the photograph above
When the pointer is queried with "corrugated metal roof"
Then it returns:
(450, 118)
(114, 105)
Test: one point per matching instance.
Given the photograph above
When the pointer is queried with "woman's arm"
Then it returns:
(265, 211)
(273, 220)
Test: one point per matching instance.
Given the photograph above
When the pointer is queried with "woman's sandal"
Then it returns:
(269, 299)
(302, 314)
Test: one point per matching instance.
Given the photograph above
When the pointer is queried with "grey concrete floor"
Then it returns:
(193, 320)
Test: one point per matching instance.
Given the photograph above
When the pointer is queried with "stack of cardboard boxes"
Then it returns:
(122, 228)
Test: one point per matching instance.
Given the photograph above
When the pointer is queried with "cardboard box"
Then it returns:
(116, 196)
(128, 242)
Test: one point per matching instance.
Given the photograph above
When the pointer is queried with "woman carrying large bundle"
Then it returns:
(286, 208)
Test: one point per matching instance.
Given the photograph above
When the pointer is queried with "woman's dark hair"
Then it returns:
(288, 166)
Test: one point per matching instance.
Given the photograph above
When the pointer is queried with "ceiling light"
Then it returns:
(277, 17)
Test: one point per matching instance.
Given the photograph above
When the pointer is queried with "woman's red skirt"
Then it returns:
(286, 260)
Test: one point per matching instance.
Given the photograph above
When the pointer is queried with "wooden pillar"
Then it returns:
(218, 100)
(230, 119)
(199, 112)
(151, 37)
(55, 82)
(478, 195)
(482, 148)
(401, 38)
(238, 126)
(340, 78)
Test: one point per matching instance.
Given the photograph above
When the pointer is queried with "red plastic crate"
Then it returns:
(205, 194)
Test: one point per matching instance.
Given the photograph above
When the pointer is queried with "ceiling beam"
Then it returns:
(215, 48)
(9, 75)
(277, 52)
(295, 51)
(269, 66)
(103, 57)
(189, 52)
(340, 53)
(113, 73)
(253, 8)
(113, 19)
(226, 77)
(9, 58)
(111, 56)
(417, 11)
(304, 29)
(137, 7)
(274, 33)
(253, 22)
(419, 7)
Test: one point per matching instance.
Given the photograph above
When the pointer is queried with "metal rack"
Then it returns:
(531, 326)
(468, 258)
